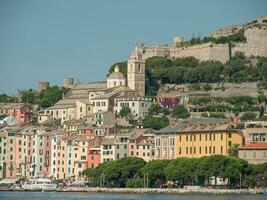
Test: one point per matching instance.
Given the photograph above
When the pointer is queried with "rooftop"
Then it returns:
(256, 146)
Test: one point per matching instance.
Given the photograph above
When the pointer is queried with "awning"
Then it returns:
(8, 181)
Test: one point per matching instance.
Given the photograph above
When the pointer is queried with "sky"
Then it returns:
(53, 39)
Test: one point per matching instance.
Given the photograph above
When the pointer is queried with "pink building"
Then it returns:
(21, 111)
(94, 155)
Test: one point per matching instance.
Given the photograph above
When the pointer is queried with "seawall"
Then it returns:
(162, 190)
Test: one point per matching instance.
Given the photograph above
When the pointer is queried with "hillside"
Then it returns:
(160, 71)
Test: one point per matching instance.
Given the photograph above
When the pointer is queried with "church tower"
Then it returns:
(136, 72)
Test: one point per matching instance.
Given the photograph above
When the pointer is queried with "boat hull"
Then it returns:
(39, 187)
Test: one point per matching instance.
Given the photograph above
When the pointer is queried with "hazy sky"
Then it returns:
(52, 39)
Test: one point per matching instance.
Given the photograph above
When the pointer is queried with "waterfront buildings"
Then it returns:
(254, 153)
(196, 138)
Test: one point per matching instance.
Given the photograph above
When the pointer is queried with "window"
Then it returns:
(229, 143)
(221, 136)
(199, 137)
(81, 109)
(199, 150)
(157, 142)
(254, 154)
(221, 149)
(118, 156)
(213, 149)
(230, 135)
(139, 68)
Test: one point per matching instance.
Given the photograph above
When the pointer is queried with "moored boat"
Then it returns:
(39, 184)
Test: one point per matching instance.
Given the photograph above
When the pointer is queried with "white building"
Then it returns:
(138, 105)
(114, 147)
(116, 78)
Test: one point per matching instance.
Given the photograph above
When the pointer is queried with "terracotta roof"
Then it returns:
(260, 145)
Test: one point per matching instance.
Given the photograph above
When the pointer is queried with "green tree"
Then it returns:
(155, 170)
(158, 62)
(180, 111)
(183, 170)
(212, 166)
(233, 150)
(248, 116)
(186, 62)
(29, 96)
(125, 112)
(206, 87)
(155, 123)
(52, 95)
(4, 98)
(155, 109)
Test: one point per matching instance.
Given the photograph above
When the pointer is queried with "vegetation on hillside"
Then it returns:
(160, 70)
(130, 172)
(236, 37)
(155, 122)
(44, 99)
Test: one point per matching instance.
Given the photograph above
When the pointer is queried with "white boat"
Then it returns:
(39, 184)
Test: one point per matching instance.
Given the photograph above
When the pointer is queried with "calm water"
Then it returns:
(106, 196)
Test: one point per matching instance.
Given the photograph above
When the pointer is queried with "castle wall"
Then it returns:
(203, 52)
(151, 51)
(256, 43)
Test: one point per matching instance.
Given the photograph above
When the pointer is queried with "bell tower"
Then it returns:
(136, 72)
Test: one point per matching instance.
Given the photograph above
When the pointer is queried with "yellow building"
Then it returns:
(197, 138)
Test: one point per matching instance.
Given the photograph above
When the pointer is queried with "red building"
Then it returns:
(169, 101)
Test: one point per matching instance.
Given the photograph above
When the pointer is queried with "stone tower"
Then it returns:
(136, 72)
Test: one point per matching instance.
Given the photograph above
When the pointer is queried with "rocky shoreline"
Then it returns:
(163, 190)
(153, 190)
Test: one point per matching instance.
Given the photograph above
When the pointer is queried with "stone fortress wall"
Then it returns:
(256, 45)
(203, 52)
